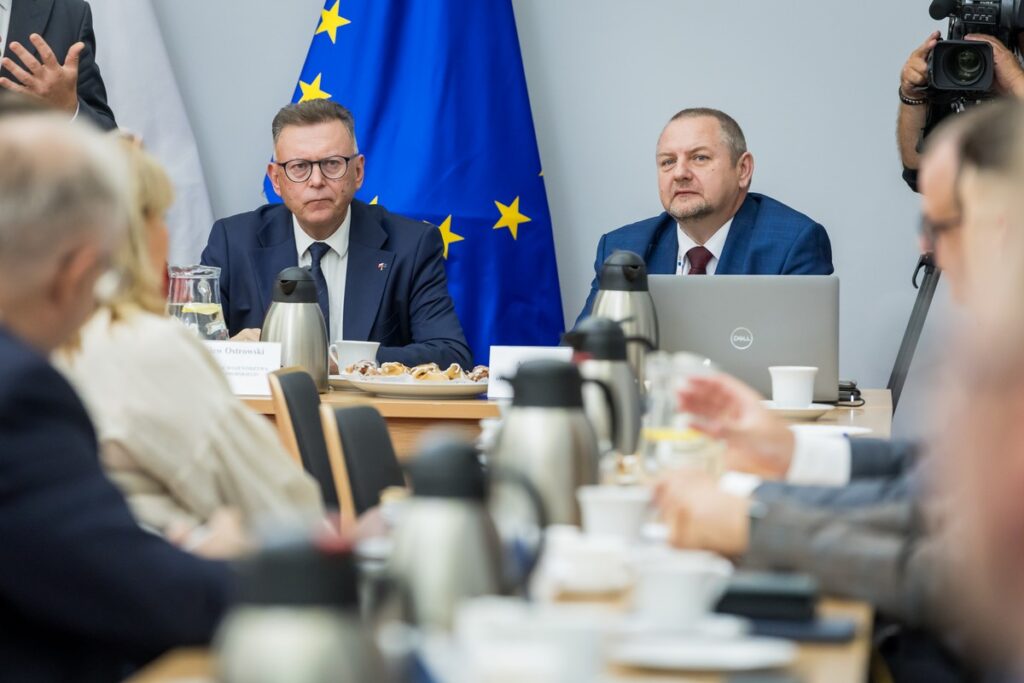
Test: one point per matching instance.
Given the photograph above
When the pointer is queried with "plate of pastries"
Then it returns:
(395, 380)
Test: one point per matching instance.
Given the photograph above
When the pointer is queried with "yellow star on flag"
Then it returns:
(331, 21)
(447, 235)
(312, 91)
(510, 217)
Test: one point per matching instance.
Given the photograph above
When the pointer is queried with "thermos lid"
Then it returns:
(547, 384)
(448, 469)
(299, 574)
(624, 271)
(597, 338)
(295, 286)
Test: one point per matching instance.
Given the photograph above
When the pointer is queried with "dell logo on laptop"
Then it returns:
(741, 338)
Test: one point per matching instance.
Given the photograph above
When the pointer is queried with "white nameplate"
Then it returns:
(505, 362)
(247, 364)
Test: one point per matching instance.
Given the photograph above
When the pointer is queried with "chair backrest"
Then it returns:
(362, 456)
(297, 408)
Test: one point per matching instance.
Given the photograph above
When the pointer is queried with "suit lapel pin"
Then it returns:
(381, 266)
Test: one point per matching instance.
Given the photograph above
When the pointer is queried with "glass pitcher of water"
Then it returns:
(667, 440)
(194, 299)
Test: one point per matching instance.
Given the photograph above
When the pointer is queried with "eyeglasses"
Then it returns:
(332, 168)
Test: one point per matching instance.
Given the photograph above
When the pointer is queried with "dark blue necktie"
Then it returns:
(316, 253)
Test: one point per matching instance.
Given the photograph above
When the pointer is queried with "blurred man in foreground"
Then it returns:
(85, 593)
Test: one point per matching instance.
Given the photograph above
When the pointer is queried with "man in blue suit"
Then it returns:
(712, 223)
(85, 593)
(380, 277)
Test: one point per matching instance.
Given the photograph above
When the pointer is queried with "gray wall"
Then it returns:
(812, 83)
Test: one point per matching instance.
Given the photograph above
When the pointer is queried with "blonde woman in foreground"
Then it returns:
(184, 450)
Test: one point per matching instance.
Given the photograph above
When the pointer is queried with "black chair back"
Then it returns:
(367, 454)
(303, 402)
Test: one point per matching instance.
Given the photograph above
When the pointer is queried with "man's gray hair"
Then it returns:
(311, 113)
(61, 185)
(732, 134)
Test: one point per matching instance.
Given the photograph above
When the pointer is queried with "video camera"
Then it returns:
(964, 70)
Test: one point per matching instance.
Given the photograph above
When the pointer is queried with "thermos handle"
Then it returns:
(642, 340)
(517, 478)
(609, 398)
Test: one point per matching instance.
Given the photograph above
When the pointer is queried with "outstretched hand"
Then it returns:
(47, 80)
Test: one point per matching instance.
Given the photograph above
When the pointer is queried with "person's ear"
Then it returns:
(75, 278)
(746, 170)
(359, 168)
(273, 171)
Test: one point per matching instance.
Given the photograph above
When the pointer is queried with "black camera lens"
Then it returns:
(965, 65)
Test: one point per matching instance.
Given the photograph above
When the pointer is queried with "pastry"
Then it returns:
(429, 371)
(363, 367)
(454, 372)
(479, 373)
(393, 369)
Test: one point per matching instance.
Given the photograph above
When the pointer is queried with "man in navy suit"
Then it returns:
(85, 593)
(49, 51)
(712, 223)
(380, 277)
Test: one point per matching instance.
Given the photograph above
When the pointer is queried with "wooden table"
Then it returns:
(409, 419)
(876, 414)
(842, 663)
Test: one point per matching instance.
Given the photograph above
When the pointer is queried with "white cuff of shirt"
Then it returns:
(820, 461)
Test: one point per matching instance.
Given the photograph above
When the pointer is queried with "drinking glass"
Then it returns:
(194, 299)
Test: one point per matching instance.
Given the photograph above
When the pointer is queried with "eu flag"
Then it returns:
(442, 114)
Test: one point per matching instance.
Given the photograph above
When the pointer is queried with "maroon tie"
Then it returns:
(699, 258)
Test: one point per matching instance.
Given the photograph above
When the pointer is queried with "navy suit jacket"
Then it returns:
(766, 238)
(396, 289)
(85, 593)
(62, 23)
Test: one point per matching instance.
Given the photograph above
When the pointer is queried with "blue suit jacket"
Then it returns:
(766, 238)
(85, 593)
(396, 290)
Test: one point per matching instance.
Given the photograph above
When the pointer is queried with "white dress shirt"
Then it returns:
(335, 267)
(5, 24)
(714, 245)
(817, 461)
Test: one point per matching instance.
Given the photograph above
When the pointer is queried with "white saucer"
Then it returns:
(831, 430)
(695, 653)
(811, 412)
(711, 626)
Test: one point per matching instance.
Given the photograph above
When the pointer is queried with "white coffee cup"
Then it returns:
(506, 639)
(618, 511)
(345, 353)
(578, 563)
(675, 589)
(792, 386)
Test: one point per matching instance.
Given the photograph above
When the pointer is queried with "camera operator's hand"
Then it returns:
(914, 78)
(1009, 73)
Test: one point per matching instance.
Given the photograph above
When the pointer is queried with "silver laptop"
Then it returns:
(747, 323)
